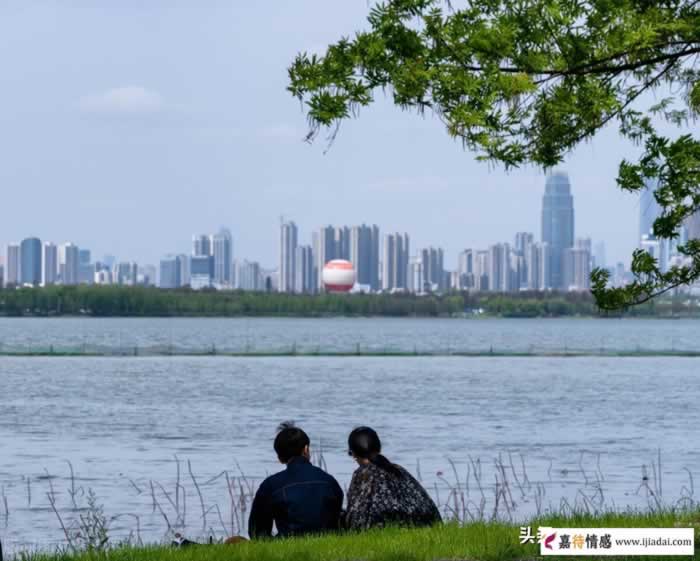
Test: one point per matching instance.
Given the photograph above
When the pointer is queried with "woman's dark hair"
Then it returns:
(364, 443)
(290, 441)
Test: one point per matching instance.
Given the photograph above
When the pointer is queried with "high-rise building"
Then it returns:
(539, 261)
(201, 245)
(184, 269)
(250, 276)
(521, 251)
(304, 281)
(577, 266)
(86, 269)
(288, 247)
(481, 271)
(364, 255)
(49, 264)
(222, 251)
(395, 259)
(416, 276)
(30, 259)
(325, 250)
(433, 269)
(170, 271)
(126, 273)
(465, 270)
(201, 271)
(501, 277)
(69, 264)
(13, 265)
(649, 209)
(557, 223)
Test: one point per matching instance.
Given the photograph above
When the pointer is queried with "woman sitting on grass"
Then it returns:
(382, 493)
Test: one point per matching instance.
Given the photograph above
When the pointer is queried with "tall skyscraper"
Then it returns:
(465, 270)
(649, 209)
(222, 251)
(501, 274)
(13, 265)
(304, 280)
(201, 245)
(184, 269)
(539, 260)
(433, 268)
(481, 270)
(416, 278)
(86, 269)
(364, 254)
(69, 264)
(30, 259)
(326, 248)
(49, 264)
(577, 266)
(558, 223)
(288, 246)
(395, 259)
(523, 242)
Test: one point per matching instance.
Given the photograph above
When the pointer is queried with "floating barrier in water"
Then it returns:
(356, 351)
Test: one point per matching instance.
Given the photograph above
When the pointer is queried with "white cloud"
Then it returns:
(125, 100)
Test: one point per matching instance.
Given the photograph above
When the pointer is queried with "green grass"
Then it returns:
(478, 541)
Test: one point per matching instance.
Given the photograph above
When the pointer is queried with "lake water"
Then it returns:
(570, 432)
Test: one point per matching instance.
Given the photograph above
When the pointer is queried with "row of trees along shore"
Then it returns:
(121, 301)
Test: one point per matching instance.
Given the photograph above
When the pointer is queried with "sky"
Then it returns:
(126, 127)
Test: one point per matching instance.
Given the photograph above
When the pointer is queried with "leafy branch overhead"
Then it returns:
(525, 81)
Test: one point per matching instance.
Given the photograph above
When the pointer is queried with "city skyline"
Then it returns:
(557, 259)
(163, 136)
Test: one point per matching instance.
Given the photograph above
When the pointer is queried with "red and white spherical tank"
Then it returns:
(338, 276)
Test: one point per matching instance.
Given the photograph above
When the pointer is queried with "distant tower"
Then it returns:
(49, 265)
(69, 264)
(649, 209)
(30, 259)
(557, 223)
(288, 247)
(364, 254)
(222, 250)
(13, 265)
(395, 262)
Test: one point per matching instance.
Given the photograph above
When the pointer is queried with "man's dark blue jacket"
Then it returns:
(302, 499)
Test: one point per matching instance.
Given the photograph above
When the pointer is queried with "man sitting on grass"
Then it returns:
(302, 499)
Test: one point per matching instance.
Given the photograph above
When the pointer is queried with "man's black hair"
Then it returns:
(290, 441)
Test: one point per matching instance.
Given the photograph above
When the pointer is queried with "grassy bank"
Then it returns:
(478, 541)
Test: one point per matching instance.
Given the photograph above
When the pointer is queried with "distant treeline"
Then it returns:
(123, 301)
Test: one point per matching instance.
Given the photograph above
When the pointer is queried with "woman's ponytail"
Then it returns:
(364, 442)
